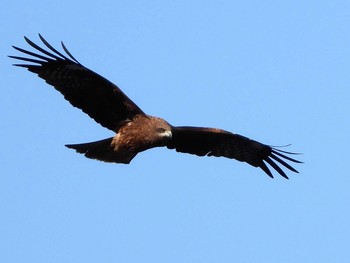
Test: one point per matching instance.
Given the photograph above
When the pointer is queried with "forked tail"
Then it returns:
(99, 150)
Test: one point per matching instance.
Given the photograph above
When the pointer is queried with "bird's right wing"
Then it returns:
(220, 143)
(93, 94)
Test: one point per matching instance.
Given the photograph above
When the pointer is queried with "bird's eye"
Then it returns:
(160, 130)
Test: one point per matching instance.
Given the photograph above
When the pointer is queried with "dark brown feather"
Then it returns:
(103, 150)
(99, 98)
(220, 143)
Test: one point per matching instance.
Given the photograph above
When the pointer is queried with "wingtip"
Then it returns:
(27, 39)
(42, 38)
(17, 48)
(266, 170)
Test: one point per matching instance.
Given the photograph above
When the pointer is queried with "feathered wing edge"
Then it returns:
(274, 157)
(56, 55)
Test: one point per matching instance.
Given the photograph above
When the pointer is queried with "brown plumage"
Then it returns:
(135, 131)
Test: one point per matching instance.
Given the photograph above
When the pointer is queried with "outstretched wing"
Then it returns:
(99, 98)
(216, 142)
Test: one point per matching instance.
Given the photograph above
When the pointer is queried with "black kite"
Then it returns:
(135, 131)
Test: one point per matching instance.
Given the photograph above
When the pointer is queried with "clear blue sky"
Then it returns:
(275, 71)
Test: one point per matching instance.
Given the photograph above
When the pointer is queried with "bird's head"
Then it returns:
(161, 131)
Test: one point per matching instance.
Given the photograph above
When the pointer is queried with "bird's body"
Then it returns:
(124, 146)
(134, 130)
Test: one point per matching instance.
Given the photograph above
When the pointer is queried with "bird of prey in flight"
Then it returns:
(135, 131)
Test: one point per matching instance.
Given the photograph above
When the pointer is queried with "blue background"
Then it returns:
(275, 71)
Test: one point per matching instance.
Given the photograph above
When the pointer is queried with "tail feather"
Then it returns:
(99, 150)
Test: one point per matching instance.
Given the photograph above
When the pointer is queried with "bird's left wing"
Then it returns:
(93, 94)
(216, 142)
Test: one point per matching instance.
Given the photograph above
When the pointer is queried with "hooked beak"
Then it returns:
(168, 134)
